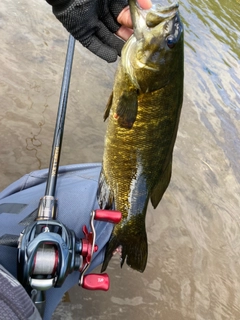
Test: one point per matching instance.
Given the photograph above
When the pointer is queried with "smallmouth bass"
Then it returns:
(144, 111)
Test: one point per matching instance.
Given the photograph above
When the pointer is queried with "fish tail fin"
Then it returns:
(133, 244)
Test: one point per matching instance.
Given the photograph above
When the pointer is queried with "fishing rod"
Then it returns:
(47, 250)
(47, 208)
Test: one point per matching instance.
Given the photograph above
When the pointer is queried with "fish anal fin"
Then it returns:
(159, 189)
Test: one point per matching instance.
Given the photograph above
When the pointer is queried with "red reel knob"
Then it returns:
(108, 216)
(96, 281)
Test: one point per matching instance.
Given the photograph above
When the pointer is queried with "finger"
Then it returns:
(145, 4)
(124, 18)
(102, 50)
(108, 38)
(124, 32)
(110, 22)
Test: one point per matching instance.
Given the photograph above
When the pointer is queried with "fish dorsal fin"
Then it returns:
(159, 189)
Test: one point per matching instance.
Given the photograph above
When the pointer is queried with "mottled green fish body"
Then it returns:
(143, 112)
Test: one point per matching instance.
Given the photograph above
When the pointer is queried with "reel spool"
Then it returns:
(46, 260)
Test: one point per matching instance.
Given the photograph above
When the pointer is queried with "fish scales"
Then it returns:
(139, 144)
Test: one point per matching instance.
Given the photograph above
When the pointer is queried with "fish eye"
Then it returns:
(170, 42)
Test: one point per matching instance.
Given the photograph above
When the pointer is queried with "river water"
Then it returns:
(193, 269)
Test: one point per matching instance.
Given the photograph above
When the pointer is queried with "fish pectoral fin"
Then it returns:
(108, 107)
(161, 186)
(127, 106)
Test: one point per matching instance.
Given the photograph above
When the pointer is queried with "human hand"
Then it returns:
(95, 23)
(124, 18)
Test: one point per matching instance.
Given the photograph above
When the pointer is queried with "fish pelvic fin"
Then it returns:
(105, 195)
(133, 244)
(161, 186)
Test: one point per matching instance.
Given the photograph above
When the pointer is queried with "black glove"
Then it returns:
(93, 23)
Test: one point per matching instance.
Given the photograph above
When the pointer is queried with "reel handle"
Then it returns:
(96, 281)
(108, 216)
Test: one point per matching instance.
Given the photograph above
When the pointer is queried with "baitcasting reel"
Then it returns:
(48, 251)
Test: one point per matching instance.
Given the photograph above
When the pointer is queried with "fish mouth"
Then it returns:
(158, 14)
(150, 18)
